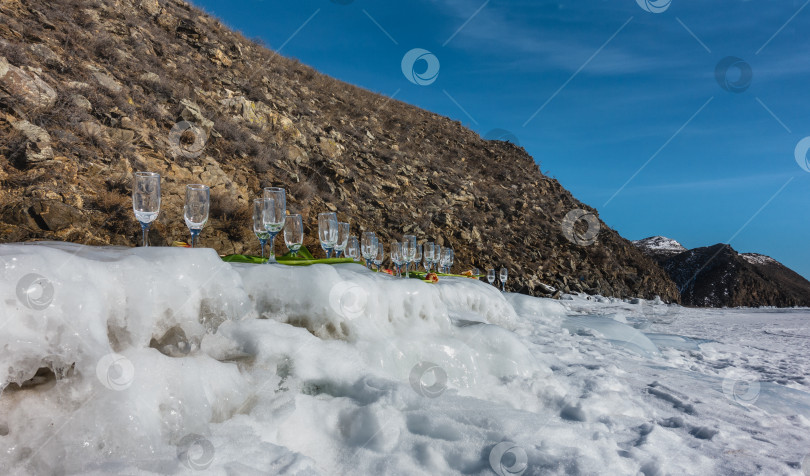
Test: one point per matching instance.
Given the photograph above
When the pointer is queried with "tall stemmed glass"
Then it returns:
(379, 256)
(417, 257)
(476, 272)
(258, 223)
(491, 276)
(396, 256)
(343, 238)
(353, 249)
(195, 212)
(451, 256)
(504, 275)
(437, 257)
(428, 254)
(275, 213)
(408, 250)
(368, 248)
(294, 233)
(146, 200)
(328, 231)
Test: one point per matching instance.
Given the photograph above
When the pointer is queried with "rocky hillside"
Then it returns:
(718, 276)
(93, 90)
(659, 248)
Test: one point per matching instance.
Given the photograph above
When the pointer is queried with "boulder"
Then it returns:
(25, 86)
(192, 113)
(38, 142)
(53, 215)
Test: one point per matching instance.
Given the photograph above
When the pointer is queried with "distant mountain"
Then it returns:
(718, 276)
(659, 248)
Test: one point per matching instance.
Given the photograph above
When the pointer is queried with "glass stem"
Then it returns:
(194, 234)
(271, 256)
(262, 243)
(328, 253)
(145, 231)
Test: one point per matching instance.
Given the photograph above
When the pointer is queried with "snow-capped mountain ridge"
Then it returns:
(660, 243)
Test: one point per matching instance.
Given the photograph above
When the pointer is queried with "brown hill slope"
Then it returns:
(91, 90)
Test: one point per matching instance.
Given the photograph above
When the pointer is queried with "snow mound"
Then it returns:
(170, 361)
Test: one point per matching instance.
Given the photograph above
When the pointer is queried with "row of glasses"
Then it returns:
(504, 274)
(146, 204)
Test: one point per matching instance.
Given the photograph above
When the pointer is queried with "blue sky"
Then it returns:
(595, 90)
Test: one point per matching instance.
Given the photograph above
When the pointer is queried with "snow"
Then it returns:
(756, 258)
(660, 243)
(170, 361)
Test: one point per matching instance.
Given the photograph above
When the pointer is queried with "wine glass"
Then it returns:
(258, 223)
(504, 274)
(367, 247)
(437, 257)
(379, 256)
(446, 260)
(396, 255)
(294, 233)
(275, 213)
(328, 231)
(353, 249)
(146, 200)
(428, 255)
(476, 272)
(417, 257)
(195, 212)
(343, 238)
(491, 276)
(408, 250)
(451, 256)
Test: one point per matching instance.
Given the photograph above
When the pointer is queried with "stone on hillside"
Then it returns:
(107, 82)
(151, 7)
(218, 57)
(38, 144)
(47, 55)
(150, 77)
(54, 215)
(26, 86)
(329, 148)
(192, 113)
(81, 102)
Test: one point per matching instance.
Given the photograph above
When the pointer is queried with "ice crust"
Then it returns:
(170, 361)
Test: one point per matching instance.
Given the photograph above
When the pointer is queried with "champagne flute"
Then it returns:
(195, 212)
(294, 233)
(275, 214)
(437, 257)
(428, 254)
(491, 276)
(146, 200)
(408, 250)
(396, 255)
(417, 257)
(344, 229)
(353, 249)
(367, 248)
(504, 274)
(451, 256)
(476, 272)
(258, 223)
(328, 231)
(379, 256)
